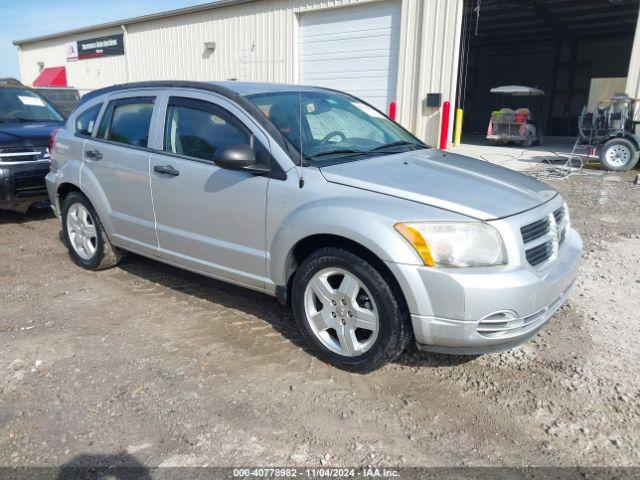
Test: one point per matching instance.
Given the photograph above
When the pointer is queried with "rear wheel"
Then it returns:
(619, 155)
(348, 313)
(540, 140)
(84, 235)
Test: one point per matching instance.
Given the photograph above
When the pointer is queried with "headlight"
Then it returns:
(457, 244)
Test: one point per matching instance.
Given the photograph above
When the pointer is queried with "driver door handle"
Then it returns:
(167, 170)
(93, 154)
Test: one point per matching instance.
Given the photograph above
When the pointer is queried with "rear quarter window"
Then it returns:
(86, 121)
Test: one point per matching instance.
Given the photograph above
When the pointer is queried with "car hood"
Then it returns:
(36, 134)
(453, 182)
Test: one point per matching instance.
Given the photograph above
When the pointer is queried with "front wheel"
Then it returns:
(619, 155)
(348, 313)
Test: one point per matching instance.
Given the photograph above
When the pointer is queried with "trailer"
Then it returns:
(610, 133)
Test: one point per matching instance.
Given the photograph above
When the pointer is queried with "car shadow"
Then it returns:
(256, 304)
(225, 294)
(415, 358)
(120, 466)
(34, 214)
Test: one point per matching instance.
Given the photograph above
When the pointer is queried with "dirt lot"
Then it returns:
(169, 368)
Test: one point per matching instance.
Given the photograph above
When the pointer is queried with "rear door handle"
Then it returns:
(166, 170)
(93, 154)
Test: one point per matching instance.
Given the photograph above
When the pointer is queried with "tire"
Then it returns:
(528, 142)
(84, 235)
(373, 301)
(619, 155)
(539, 141)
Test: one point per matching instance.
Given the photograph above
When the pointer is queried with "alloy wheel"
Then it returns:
(341, 312)
(82, 231)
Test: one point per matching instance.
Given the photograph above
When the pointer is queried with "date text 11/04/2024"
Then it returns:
(364, 472)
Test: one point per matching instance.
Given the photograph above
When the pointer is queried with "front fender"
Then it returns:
(348, 218)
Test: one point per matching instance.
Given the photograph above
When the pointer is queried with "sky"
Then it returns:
(29, 18)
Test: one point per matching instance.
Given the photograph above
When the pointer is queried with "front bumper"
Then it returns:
(22, 184)
(476, 311)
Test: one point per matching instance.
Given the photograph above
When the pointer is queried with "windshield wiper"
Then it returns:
(338, 151)
(399, 143)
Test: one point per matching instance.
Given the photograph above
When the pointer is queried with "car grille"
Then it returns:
(29, 186)
(506, 323)
(539, 254)
(503, 322)
(535, 230)
(23, 154)
(543, 237)
(559, 215)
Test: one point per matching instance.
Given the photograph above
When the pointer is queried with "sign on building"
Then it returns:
(71, 50)
(95, 47)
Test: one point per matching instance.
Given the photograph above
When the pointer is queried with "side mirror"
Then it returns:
(238, 157)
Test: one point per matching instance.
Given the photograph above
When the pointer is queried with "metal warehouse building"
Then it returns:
(413, 53)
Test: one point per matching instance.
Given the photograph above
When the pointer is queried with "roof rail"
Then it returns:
(238, 98)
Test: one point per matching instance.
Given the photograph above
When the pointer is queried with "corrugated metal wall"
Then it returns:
(257, 41)
(633, 78)
(254, 41)
(429, 52)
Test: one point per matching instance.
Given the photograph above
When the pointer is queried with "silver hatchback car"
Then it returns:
(317, 198)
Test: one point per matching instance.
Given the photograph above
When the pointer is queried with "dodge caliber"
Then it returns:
(315, 197)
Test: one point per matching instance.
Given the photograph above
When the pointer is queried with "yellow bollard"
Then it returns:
(457, 134)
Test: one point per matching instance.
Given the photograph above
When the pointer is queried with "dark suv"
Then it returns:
(26, 121)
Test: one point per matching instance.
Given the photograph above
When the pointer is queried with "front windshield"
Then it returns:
(328, 127)
(22, 105)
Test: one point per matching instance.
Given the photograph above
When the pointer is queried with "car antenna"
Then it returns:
(301, 172)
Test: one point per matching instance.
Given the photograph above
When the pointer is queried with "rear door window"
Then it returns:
(127, 121)
(85, 122)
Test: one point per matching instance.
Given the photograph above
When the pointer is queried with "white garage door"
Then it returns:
(354, 49)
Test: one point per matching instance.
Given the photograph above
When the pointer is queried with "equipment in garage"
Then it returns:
(559, 46)
(518, 125)
(610, 132)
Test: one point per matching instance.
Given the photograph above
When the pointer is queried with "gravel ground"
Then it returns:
(152, 364)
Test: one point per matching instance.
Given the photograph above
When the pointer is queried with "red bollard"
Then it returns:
(444, 129)
(392, 111)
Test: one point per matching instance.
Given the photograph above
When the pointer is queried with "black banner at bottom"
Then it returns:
(106, 472)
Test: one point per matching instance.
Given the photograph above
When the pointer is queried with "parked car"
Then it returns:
(317, 198)
(26, 122)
